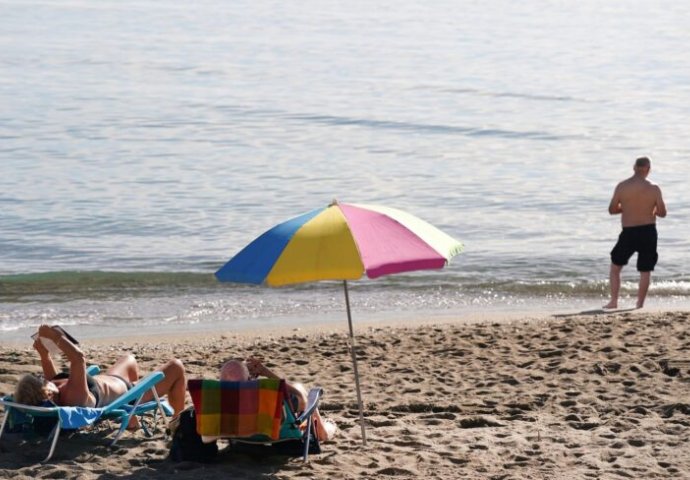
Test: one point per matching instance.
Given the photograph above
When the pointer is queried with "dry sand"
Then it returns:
(603, 396)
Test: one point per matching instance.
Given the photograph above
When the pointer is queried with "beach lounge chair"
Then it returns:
(120, 410)
(255, 416)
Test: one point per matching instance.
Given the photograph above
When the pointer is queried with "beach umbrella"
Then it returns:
(341, 242)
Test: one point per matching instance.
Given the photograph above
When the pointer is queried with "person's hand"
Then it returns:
(39, 347)
(48, 332)
(255, 367)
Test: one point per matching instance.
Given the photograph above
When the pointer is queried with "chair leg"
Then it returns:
(4, 421)
(306, 442)
(124, 421)
(159, 411)
(158, 402)
(56, 435)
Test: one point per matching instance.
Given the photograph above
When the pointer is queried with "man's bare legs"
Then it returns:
(615, 283)
(645, 279)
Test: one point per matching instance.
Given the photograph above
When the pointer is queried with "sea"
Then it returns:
(144, 143)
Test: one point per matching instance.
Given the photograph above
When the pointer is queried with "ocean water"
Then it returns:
(142, 144)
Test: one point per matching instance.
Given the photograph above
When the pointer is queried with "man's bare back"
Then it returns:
(639, 202)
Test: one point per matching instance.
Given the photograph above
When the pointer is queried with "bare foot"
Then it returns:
(325, 429)
(331, 428)
(610, 305)
(134, 424)
(640, 304)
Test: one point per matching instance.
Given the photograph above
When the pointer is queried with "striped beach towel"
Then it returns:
(238, 409)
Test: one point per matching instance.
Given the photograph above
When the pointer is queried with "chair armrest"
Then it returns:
(7, 402)
(313, 400)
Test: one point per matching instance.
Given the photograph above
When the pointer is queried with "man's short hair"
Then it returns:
(234, 371)
(642, 162)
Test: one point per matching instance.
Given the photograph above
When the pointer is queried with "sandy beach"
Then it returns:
(562, 396)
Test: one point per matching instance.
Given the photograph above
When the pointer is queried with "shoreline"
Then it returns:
(281, 326)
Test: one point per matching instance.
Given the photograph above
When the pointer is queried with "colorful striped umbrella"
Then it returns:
(341, 242)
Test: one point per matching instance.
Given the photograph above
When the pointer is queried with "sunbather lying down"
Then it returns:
(78, 389)
(239, 371)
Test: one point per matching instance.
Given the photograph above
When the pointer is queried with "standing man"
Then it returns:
(639, 202)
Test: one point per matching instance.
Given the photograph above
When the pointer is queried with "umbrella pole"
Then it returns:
(354, 364)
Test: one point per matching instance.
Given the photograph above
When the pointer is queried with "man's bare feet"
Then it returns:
(610, 305)
(640, 305)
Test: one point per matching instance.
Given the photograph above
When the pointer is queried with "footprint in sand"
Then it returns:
(396, 472)
(478, 422)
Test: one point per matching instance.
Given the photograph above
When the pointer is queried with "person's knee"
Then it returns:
(175, 367)
(128, 359)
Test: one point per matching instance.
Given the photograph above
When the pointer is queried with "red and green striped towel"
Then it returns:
(238, 409)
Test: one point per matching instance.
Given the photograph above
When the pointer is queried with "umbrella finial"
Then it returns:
(333, 203)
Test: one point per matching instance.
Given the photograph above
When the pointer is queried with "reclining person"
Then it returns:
(239, 371)
(78, 389)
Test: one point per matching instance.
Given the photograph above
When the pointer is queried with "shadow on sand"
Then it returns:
(596, 311)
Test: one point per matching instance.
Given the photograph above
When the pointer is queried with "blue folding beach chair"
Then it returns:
(121, 410)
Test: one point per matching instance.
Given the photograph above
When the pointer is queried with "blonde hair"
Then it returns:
(30, 390)
(301, 398)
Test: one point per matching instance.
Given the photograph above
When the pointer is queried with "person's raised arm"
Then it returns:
(72, 352)
(615, 205)
(76, 391)
(257, 368)
(660, 207)
(47, 364)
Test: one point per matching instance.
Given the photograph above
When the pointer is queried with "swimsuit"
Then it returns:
(93, 386)
(641, 239)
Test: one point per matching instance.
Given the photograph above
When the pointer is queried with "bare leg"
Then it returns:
(125, 367)
(174, 385)
(615, 284)
(325, 429)
(645, 279)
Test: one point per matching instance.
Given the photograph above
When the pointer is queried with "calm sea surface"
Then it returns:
(142, 144)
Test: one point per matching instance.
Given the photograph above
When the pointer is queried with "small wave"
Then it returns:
(426, 128)
(98, 283)
(70, 285)
(134, 300)
(525, 96)
(423, 127)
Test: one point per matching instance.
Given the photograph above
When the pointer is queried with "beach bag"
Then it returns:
(186, 442)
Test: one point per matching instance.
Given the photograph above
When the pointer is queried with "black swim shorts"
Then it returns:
(641, 239)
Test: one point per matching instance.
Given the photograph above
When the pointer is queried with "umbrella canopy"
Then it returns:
(341, 242)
